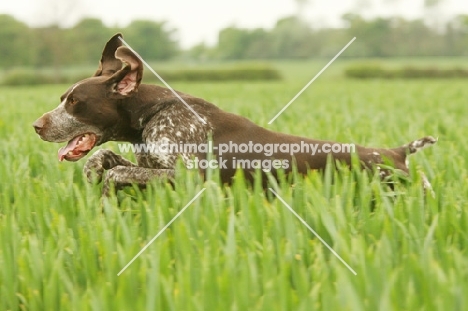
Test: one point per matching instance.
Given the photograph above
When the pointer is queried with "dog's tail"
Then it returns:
(413, 147)
(419, 144)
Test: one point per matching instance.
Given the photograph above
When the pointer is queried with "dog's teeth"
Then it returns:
(70, 153)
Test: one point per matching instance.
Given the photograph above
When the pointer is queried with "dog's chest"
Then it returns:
(168, 134)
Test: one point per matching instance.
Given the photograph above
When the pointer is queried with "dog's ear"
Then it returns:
(109, 64)
(127, 79)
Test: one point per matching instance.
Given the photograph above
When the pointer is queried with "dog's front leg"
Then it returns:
(122, 176)
(103, 160)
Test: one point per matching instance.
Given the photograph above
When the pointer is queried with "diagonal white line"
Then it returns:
(162, 80)
(312, 230)
(313, 79)
(161, 231)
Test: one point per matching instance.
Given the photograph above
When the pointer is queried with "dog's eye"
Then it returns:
(72, 101)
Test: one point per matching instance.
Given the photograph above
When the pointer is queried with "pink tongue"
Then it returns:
(69, 147)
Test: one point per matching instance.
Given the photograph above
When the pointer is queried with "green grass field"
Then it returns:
(236, 248)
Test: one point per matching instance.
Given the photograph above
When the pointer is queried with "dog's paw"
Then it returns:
(94, 167)
(93, 170)
(101, 161)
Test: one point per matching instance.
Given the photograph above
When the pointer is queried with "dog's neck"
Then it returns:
(144, 104)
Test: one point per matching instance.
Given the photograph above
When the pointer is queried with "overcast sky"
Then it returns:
(200, 20)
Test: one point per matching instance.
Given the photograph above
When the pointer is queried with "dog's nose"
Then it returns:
(38, 125)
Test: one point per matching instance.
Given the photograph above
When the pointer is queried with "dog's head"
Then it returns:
(90, 111)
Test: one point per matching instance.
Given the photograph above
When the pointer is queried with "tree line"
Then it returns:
(291, 38)
(81, 44)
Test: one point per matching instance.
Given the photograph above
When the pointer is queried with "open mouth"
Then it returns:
(78, 147)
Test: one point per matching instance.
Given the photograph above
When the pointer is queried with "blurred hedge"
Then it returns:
(32, 77)
(377, 71)
(254, 73)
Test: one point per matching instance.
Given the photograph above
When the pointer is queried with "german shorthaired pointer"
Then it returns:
(112, 105)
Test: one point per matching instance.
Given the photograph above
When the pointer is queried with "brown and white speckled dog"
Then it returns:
(112, 105)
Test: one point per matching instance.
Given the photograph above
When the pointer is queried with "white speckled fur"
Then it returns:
(64, 126)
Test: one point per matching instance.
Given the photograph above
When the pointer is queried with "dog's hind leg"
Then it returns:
(427, 185)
